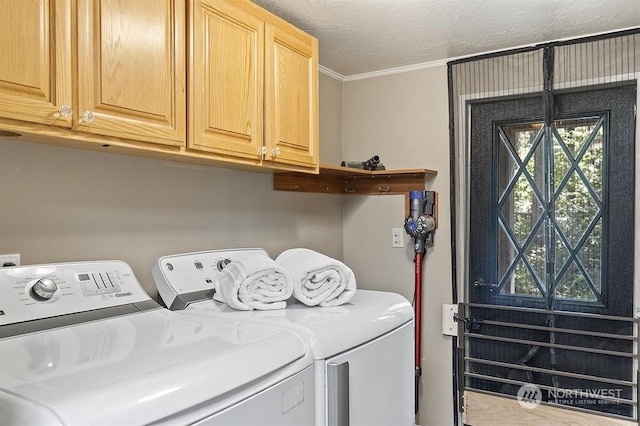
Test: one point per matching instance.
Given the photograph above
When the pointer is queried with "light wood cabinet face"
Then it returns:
(131, 69)
(114, 73)
(226, 87)
(291, 93)
(253, 87)
(35, 61)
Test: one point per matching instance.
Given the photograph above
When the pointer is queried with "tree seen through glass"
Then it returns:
(550, 223)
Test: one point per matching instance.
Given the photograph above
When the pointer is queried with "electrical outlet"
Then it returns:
(9, 260)
(397, 237)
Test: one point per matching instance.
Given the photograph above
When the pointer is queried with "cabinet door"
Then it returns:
(291, 74)
(131, 69)
(226, 80)
(35, 61)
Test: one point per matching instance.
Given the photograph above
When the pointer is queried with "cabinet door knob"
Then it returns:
(87, 117)
(65, 111)
(275, 151)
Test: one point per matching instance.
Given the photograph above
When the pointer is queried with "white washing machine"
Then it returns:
(363, 350)
(83, 344)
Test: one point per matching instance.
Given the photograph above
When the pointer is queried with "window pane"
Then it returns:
(575, 209)
(577, 162)
(573, 285)
(520, 281)
(591, 256)
(520, 184)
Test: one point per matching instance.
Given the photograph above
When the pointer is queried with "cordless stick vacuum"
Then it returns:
(419, 225)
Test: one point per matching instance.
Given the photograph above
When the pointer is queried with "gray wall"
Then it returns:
(403, 118)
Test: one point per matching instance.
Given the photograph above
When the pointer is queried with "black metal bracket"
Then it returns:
(470, 324)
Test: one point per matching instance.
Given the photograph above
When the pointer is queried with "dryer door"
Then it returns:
(376, 379)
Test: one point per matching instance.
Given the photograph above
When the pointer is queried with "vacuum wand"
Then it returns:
(420, 226)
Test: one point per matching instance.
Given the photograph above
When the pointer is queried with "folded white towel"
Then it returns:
(318, 279)
(253, 281)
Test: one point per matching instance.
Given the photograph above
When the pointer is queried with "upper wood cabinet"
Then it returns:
(291, 100)
(209, 81)
(35, 61)
(252, 87)
(130, 76)
(226, 80)
(131, 70)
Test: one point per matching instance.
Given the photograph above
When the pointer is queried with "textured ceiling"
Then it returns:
(367, 36)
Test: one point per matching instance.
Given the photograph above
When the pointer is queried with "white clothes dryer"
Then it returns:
(82, 343)
(363, 349)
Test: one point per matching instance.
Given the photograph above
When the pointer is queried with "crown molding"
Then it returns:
(381, 73)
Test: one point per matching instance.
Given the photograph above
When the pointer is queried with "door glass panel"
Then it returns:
(575, 133)
(520, 281)
(576, 168)
(507, 165)
(506, 255)
(561, 165)
(561, 251)
(591, 256)
(577, 163)
(536, 255)
(526, 210)
(519, 141)
(573, 285)
(575, 209)
(520, 237)
(591, 162)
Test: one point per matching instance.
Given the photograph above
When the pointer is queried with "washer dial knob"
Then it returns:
(44, 288)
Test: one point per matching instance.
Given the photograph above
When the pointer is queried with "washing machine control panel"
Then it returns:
(41, 291)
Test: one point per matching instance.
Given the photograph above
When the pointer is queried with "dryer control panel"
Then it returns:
(36, 292)
(185, 273)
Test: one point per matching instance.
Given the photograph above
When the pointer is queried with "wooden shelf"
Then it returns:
(344, 180)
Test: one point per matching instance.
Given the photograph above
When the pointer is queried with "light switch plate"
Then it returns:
(449, 324)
